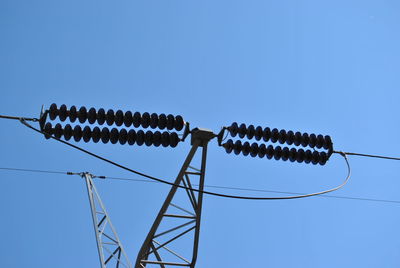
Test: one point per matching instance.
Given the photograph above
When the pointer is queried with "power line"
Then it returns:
(370, 155)
(195, 190)
(34, 170)
(337, 152)
(23, 121)
(18, 118)
(207, 186)
(270, 191)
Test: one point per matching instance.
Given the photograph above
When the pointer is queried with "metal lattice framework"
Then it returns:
(157, 248)
(111, 251)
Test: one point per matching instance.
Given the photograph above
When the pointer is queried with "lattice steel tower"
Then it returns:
(156, 247)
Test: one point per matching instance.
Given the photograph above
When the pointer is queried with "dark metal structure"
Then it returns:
(156, 247)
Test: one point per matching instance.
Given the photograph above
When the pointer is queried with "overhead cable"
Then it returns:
(337, 152)
(371, 155)
(183, 187)
(206, 186)
(18, 118)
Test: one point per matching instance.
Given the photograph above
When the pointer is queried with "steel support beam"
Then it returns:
(110, 249)
(185, 222)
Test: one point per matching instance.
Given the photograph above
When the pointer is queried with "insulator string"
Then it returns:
(118, 118)
(282, 136)
(114, 135)
(278, 153)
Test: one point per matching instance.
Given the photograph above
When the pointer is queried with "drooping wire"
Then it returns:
(337, 152)
(196, 190)
(268, 191)
(206, 186)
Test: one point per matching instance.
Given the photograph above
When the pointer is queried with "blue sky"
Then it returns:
(329, 67)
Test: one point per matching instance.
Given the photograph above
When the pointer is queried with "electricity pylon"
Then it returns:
(156, 249)
(111, 252)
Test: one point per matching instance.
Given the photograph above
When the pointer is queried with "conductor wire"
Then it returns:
(196, 190)
(33, 170)
(19, 118)
(370, 155)
(206, 186)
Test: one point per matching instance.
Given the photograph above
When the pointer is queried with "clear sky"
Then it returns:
(329, 67)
